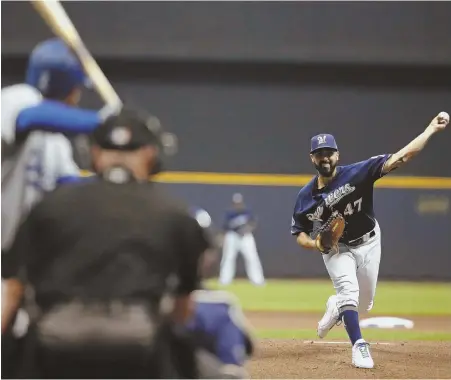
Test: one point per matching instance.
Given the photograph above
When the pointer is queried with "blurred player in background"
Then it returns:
(219, 326)
(239, 225)
(35, 119)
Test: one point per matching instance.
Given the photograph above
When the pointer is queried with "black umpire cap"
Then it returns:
(128, 131)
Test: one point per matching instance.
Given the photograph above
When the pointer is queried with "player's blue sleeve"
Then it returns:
(219, 316)
(231, 344)
(299, 222)
(58, 117)
(372, 168)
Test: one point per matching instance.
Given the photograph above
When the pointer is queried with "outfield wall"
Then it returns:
(415, 223)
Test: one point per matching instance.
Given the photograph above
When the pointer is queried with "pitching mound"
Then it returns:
(300, 359)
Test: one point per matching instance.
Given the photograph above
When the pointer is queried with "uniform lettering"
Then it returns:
(316, 216)
(34, 170)
(349, 210)
(358, 204)
(335, 197)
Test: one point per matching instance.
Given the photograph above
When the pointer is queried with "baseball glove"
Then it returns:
(330, 233)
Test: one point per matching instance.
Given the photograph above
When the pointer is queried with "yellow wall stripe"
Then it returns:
(390, 182)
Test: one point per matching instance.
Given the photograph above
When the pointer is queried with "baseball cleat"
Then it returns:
(361, 355)
(330, 319)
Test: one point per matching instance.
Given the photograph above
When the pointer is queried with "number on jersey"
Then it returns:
(350, 208)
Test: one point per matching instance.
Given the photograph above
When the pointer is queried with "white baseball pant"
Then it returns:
(234, 243)
(354, 272)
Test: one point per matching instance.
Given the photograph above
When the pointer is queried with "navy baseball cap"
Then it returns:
(323, 140)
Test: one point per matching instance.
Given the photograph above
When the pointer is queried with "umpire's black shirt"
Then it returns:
(106, 237)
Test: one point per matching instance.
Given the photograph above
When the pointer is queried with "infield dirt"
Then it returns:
(297, 358)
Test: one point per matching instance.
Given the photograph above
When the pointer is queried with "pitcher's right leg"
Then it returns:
(342, 271)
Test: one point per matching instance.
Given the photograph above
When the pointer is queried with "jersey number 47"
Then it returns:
(350, 209)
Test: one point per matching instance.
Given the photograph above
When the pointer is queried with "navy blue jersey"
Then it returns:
(238, 220)
(350, 192)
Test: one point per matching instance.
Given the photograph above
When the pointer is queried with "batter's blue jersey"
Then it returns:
(42, 158)
(350, 192)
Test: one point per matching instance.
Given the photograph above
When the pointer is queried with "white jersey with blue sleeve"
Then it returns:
(42, 156)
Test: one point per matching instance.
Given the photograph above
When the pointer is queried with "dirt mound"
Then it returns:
(297, 359)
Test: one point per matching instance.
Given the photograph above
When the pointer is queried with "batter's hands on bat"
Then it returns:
(439, 123)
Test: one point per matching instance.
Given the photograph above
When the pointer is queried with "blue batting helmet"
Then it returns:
(54, 70)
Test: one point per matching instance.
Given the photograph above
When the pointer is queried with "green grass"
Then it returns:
(375, 335)
(392, 298)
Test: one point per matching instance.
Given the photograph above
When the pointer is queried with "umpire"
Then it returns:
(110, 263)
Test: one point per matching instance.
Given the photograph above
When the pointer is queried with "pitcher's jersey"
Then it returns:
(42, 158)
(350, 192)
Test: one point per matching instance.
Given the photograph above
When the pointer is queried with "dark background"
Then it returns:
(409, 33)
(246, 85)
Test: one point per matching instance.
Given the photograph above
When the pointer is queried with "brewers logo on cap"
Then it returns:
(323, 140)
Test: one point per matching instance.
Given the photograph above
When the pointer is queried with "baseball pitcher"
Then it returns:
(334, 215)
(238, 225)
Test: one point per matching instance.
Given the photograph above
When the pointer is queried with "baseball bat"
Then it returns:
(57, 19)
